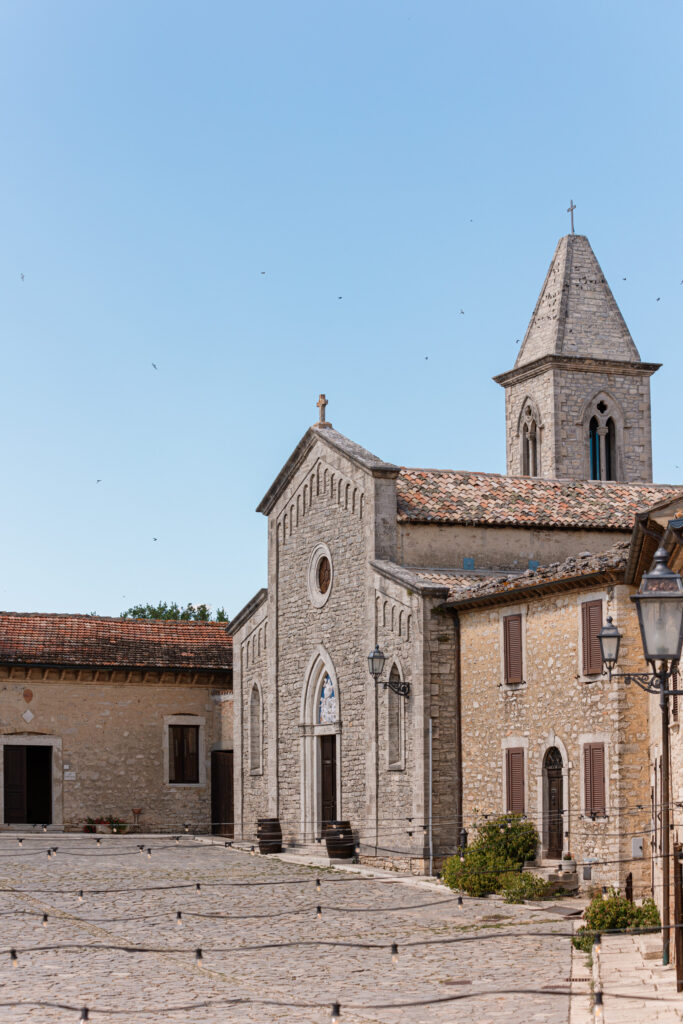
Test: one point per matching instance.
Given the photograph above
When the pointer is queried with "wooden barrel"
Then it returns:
(339, 839)
(269, 835)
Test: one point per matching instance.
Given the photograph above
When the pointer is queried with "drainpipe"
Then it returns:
(431, 844)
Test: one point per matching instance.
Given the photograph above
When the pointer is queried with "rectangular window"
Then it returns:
(591, 624)
(183, 761)
(512, 637)
(594, 777)
(514, 770)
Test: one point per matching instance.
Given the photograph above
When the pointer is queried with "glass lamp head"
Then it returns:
(610, 639)
(660, 610)
(376, 661)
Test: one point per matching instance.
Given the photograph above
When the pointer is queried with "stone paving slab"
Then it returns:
(499, 947)
(636, 990)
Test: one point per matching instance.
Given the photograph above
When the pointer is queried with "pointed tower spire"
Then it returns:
(578, 398)
(576, 313)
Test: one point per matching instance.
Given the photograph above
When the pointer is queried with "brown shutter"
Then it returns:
(512, 635)
(175, 751)
(591, 624)
(191, 753)
(514, 766)
(674, 698)
(594, 777)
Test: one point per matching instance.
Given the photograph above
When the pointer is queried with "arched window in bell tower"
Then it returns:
(594, 444)
(610, 451)
(531, 442)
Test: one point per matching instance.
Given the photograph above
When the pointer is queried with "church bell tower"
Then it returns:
(577, 402)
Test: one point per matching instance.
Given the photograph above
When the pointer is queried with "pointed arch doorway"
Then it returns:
(553, 800)
(321, 747)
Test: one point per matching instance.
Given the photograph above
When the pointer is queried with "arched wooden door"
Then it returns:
(552, 777)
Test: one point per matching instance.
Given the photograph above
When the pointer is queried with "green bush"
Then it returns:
(513, 838)
(478, 873)
(501, 846)
(614, 912)
(517, 886)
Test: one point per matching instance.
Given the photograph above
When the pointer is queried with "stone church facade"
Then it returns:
(427, 564)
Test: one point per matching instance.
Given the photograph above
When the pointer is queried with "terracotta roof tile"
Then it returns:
(53, 639)
(491, 499)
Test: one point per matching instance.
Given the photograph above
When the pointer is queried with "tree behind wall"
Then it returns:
(191, 612)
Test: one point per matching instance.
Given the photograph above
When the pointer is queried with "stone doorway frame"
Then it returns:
(319, 665)
(542, 788)
(33, 739)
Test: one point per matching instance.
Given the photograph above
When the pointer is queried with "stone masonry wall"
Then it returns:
(110, 740)
(558, 706)
(329, 501)
(250, 669)
(400, 796)
(560, 394)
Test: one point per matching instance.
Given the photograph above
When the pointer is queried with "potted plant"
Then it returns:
(568, 862)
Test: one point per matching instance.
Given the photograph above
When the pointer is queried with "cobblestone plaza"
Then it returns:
(131, 899)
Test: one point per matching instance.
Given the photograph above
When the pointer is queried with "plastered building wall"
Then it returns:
(558, 706)
(109, 732)
(437, 546)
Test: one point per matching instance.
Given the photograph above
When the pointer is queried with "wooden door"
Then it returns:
(553, 775)
(15, 785)
(328, 779)
(39, 785)
(28, 785)
(222, 800)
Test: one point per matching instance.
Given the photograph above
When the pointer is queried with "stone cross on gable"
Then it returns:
(570, 211)
(322, 404)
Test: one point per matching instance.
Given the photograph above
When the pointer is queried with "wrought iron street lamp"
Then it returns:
(660, 616)
(376, 660)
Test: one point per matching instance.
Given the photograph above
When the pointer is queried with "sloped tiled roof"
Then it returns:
(457, 579)
(611, 562)
(53, 639)
(491, 499)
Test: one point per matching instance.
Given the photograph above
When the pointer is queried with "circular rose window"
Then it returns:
(320, 575)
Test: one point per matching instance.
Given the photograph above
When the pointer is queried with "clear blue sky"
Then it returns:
(415, 158)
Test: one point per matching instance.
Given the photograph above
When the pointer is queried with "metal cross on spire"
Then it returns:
(570, 211)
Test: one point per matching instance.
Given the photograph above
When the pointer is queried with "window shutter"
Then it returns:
(514, 765)
(594, 777)
(512, 635)
(591, 624)
(191, 753)
(674, 698)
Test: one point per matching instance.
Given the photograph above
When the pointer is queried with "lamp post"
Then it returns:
(659, 603)
(376, 660)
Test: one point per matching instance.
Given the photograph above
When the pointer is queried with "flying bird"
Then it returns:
(98, 481)
(155, 366)
(339, 296)
(263, 271)
(623, 279)
(462, 312)
(22, 277)
(153, 538)
(658, 297)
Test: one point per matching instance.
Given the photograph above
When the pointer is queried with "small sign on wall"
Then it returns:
(69, 776)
